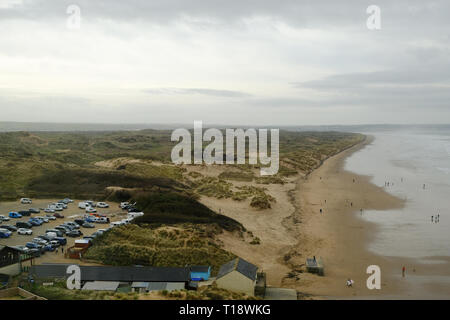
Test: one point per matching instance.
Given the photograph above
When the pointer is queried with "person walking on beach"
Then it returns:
(320, 210)
(403, 271)
(424, 185)
(349, 283)
(431, 218)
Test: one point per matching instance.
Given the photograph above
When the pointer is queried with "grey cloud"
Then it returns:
(402, 13)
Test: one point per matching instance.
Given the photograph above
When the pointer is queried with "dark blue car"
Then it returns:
(61, 240)
(35, 222)
(4, 234)
(32, 245)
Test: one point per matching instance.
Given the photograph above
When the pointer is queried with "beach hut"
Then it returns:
(314, 265)
(200, 273)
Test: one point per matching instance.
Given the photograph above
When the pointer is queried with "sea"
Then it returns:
(412, 163)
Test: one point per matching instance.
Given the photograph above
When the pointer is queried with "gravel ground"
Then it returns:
(70, 214)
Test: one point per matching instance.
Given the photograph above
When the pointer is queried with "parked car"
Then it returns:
(88, 225)
(33, 245)
(5, 234)
(58, 215)
(82, 205)
(51, 235)
(67, 200)
(25, 213)
(55, 243)
(36, 223)
(39, 241)
(26, 201)
(44, 219)
(34, 210)
(74, 233)
(21, 248)
(24, 231)
(35, 252)
(61, 204)
(48, 210)
(9, 227)
(64, 230)
(49, 247)
(90, 203)
(123, 205)
(90, 210)
(72, 224)
(79, 221)
(103, 220)
(23, 224)
(89, 238)
(14, 215)
(61, 240)
(50, 217)
(4, 218)
(59, 233)
(102, 205)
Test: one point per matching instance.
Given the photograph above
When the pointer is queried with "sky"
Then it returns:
(235, 62)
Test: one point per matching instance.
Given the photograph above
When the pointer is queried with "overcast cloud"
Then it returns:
(256, 62)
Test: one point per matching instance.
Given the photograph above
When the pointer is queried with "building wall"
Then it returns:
(236, 281)
(12, 270)
(200, 275)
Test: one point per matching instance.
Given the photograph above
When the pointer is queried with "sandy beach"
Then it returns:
(294, 229)
(340, 237)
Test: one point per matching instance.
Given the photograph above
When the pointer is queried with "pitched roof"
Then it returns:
(240, 265)
(125, 274)
(202, 269)
(101, 285)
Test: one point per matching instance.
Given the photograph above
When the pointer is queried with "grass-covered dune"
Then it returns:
(176, 246)
(30, 160)
(174, 208)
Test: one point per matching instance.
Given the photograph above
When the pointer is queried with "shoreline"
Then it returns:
(338, 235)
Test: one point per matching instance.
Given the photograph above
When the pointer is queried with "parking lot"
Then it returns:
(114, 213)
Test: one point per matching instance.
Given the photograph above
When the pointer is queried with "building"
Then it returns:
(141, 279)
(238, 275)
(142, 287)
(200, 273)
(10, 261)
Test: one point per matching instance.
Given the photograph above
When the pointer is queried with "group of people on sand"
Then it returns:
(435, 218)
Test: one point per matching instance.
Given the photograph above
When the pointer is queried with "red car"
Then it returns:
(58, 215)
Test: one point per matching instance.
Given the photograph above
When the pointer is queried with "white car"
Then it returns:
(90, 203)
(102, 205)
(123, 205)
(90, 210)
(61, 204)
(4, 218)
(48, 210)
(26, 201)
(50, 217)
(45, 219)
(25, 231)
